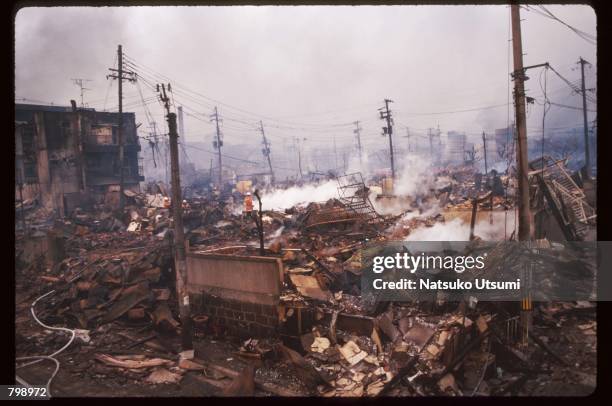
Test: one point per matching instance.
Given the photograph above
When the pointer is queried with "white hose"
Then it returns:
(38, 358)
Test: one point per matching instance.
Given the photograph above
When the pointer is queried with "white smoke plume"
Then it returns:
(357, 165)
(458, 230)
(280, 199)
(414, 182)
(416, 178)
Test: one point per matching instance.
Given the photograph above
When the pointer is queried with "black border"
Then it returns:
(603, 392)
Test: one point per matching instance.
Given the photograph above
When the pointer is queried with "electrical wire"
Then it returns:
(455, 111)
(545, 108)
(570, 107)
(591, 39)
(110, 84)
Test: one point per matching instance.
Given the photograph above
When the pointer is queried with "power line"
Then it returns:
(570, 107)
(223, 155)
(457, 111)
(591, 39)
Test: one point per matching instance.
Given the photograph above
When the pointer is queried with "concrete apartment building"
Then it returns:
(68, 157)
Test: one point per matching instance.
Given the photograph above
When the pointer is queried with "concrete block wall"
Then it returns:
(239, 293)
(236, 318)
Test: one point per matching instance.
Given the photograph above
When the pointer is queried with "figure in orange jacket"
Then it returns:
(248, 204)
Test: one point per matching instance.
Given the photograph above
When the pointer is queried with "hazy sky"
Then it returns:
(305, 71)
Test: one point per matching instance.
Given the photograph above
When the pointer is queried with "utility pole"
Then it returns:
(180, 262)
(119, 75)
(524, 227)
(181, 131)
(153, 135)
(266, 151)
(484, 148)
(587, 157)
(357, 132)
(299, 151)
(79, 83)
(524, 215)
(386, 115)
(218, 143)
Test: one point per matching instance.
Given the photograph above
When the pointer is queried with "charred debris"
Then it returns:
(262, 301)
(289, 321)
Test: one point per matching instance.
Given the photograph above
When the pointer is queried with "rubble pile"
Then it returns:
(420, 351)
(114, 282)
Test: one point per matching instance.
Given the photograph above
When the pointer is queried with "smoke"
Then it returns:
(411, 188)
(280, 199)
(49, 50)
(276, 234)
(359, 165)
(403, 222)
(416, 178)
(392, 208)
(458, 230)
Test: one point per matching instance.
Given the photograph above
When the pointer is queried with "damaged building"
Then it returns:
(67, 157)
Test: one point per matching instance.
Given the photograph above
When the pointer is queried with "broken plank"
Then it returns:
(132, 364)
(266, 386)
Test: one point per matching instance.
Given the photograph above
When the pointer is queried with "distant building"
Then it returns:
(503, 143)
(455, 148)
(67, 157)
(492, 155)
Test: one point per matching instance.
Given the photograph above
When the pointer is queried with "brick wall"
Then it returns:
(236, 318)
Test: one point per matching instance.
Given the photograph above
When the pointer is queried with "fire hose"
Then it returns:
(51, 357)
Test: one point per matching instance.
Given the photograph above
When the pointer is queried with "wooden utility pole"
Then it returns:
(587, 157)
(119, 75)
(266, 151)
(296, 143)
(357, 132)
(180, 262)
(388, 130)
(524, 226)
(218, 143)
(484, 148)
(524, 215)
(181, 132)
